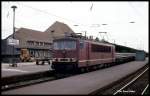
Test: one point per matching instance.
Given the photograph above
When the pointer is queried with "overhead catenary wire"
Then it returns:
(135, 10)
(51, 14)
(48, 13)
(42, 11)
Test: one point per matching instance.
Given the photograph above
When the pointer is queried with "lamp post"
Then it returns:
(13, 7)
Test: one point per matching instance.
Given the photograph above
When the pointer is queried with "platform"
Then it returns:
(23, 68)
(83, 83)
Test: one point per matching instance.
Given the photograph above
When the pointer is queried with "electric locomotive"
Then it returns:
(72, 54)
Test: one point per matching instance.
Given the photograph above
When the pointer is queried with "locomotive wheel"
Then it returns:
(89, 69)
(112, 64)
(86, 69)
(108, 65)
(94, 67)
(97, 67)
(100, 66)
(82, 70)
(105, 65)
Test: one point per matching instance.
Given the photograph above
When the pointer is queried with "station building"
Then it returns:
(38, 43)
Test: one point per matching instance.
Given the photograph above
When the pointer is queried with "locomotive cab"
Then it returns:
(65, 54)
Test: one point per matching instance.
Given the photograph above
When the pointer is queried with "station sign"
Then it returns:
(13, 42)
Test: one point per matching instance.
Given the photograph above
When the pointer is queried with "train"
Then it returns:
(74, 54)
(124, 57)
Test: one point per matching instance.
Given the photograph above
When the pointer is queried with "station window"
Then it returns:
(37, 43)
(45, 44)
(30, 42)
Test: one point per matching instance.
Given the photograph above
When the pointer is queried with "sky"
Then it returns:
(89, 16)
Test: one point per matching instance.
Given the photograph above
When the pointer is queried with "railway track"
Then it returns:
(134, 84)
(14, 82)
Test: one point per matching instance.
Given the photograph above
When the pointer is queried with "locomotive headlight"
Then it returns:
(56, 59)
(53, 59)
(73, 59)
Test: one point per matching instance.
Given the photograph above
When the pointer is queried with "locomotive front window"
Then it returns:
(68, 45)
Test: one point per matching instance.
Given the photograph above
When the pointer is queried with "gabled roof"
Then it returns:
(59, 29)
(29, 34)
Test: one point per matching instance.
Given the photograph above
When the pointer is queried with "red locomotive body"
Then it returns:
(74, 53)
(94, 53)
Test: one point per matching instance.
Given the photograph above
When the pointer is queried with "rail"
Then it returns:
(132, 81)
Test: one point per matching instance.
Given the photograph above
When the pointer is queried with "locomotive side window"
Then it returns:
(100, 48)
(81, 45)
(64, 44)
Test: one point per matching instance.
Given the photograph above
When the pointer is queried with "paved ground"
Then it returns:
(23, 68)
(83, 83)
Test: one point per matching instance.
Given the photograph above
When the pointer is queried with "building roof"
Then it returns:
(32, 35)
(58, 29)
